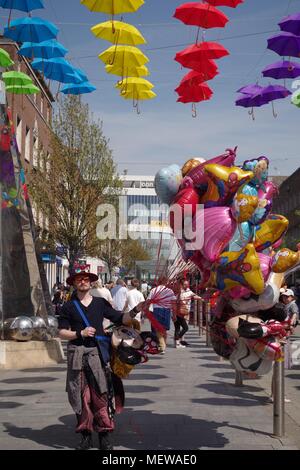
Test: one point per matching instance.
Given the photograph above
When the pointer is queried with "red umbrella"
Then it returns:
(201, 14)
(198, 53)
(206, 68)
(194, 78)
(194, 93)
(225, 3)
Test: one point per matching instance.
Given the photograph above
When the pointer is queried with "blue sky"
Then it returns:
(165, 132)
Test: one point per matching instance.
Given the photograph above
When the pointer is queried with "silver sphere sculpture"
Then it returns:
(18, 329)
(52, 326)
(39, 329)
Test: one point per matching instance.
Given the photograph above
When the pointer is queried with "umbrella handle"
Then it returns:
(251, 113)
(194, 110)
(275, 115)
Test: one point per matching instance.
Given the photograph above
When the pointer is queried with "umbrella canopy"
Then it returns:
(118, 32)
(46, 49)
(225, 3)
(22, 5)
(31, 30)
(200, 53)
(125, 56)
(274, 92)
(201, 14)
(252, 89)
(5, 60)
(127, 71)
(134, 83)
(113, 7)
(285, 44)
(138, 95)
(29, 89)
(57, 69)
(291, 24)
(80, 89)
(81, 74)
(296, 99)
(282, 70)
(194, 93)
(207, 67)
(193, 78)
(251, 101)
(16, 78)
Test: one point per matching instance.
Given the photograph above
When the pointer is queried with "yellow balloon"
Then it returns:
(190, 165)
(270, 231)
(242, 268)
(224, 182)
(285, 259)
(244, 207)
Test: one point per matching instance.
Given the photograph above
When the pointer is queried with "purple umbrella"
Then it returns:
(254, 101)
(285, 44)
(252, 89)
(291, 24)
(282, 69)
(274, 92)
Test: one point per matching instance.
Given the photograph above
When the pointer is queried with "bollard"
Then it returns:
(238, 378)
(195, 314)
(199, 316)
(208, 320)
(287, 355)
(278, 395)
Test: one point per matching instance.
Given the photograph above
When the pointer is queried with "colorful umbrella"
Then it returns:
(127, 71)
(207, 67)
(282, 70)
(81, 74)
(134, 83)
(16, 78)
(5, 60)
(31, 30)
(225, 3)
(29, 89)
(22, 5)
(113, 7)
(201, 52)
(47, 49)
(118, 32)
(193, 78)
(80, 89)
(124, 56)
(201, 14)
(291, 24)
(296, 99)
(252, 89)
(274, 92)
(285, 44)
(57, 69)
(194, 93)
(138, 95)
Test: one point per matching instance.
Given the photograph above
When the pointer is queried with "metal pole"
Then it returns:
(208, 320)
(238, 378)
(278, 395)
(200, 316)
(195, 313)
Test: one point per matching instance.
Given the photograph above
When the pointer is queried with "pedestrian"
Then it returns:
(92, 388)
(182, 313)
(163, 314)
(290, 307)
(135, 297)
(99, 291)
(58, 301)
(120, 295)
(144, 289)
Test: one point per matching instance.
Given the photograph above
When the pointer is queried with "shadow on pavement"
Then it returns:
(9, 405)
(138, 376)
(46, 369)
(29, 380)
(140, 388)
(20, 393)
(231, 401)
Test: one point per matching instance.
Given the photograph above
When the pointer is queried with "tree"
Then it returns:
(123, 253)
(77, 176)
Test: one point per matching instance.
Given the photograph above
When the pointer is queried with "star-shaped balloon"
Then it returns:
(285, 259)
(270, 231)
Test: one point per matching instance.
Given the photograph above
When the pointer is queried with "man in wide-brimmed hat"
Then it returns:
(90, 383)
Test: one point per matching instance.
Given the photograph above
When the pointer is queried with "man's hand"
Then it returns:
(88, 332)
(139, 307)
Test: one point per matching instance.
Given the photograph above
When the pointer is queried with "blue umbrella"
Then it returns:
(81, 74)
(31, 30)
(80, 89)
(22, 5)
(58, 69)
(46, 49)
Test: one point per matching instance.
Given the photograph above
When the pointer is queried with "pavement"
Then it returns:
(186, 399)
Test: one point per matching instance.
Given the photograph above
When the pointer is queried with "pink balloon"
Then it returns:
(270, 191)
(278, 244)
(218, 229)
(199, 177)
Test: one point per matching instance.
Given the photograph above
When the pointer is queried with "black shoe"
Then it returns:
(105, 442)
(86, 442)
(184, 343)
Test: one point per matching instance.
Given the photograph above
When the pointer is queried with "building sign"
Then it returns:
(147, 184)
(48, 258)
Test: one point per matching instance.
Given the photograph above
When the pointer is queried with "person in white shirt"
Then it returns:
(120, 296)
(184, 302)
(99, 290)
(135, 297)
(163, 314)
(144, 289)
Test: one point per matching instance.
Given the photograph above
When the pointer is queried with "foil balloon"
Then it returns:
(265, 301)
(167, 183)
(244, 358)
(234, 269)
(223, 184)
(218, 229)
(185, 203)
(284, 260)
(198, 176)
(243, 207)
(265, 265)
(243, 235)
(204, 267)
(259, 167)
(233, 324)
(191, 164)
(270, 231)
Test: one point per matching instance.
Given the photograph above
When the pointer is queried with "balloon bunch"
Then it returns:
(123, 58)
(230, 207)
(200, 56)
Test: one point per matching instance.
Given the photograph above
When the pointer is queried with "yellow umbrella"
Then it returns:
(118, 32)
(134, 84)
(113, 7)
(138, 95)
(124, 56)
(127, 71)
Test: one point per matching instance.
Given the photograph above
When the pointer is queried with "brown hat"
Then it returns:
(71, 279)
